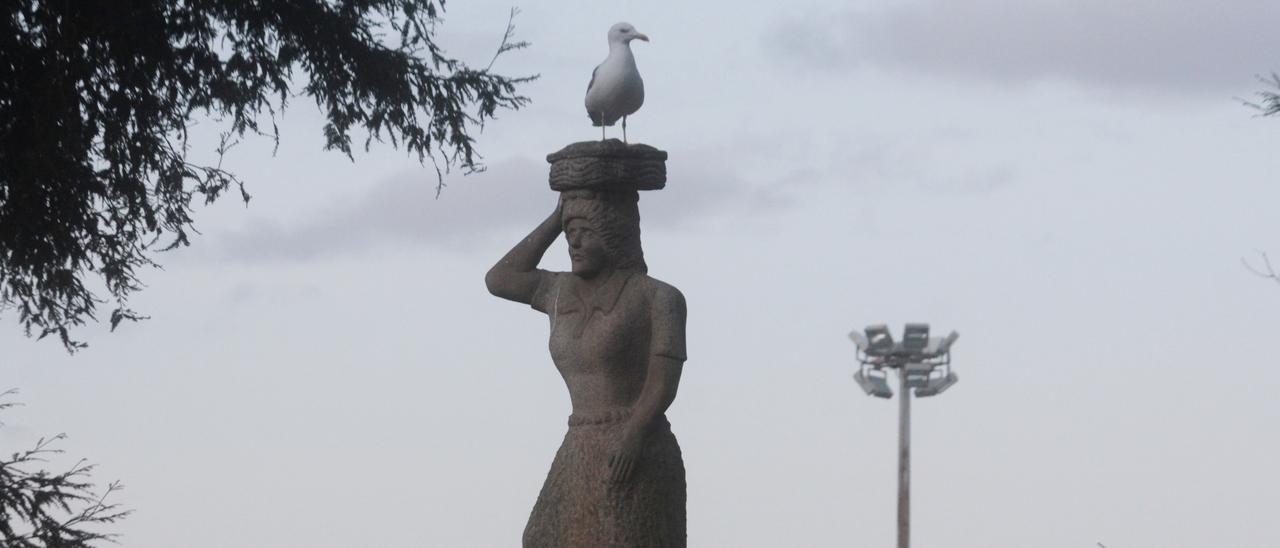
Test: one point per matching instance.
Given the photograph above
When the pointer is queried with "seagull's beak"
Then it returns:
(642, 36)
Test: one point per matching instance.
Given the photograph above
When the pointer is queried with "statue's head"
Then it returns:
(603, 231)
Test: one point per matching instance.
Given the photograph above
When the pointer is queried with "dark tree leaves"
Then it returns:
(1269, 101)
(96, 97)
(42, 509)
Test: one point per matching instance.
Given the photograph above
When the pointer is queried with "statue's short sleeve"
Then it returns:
(668, 323)
(545, 294)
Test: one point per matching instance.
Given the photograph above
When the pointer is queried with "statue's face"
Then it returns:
(586, 248)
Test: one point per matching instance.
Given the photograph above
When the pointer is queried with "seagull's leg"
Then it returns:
(602, 126)
(624, 130)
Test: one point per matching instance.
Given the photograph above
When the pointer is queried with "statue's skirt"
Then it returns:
(578, 508)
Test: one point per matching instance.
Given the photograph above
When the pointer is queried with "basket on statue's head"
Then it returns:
(608, 165)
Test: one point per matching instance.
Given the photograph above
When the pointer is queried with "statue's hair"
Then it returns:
(615, 216)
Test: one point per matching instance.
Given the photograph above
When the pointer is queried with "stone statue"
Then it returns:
(618, 339)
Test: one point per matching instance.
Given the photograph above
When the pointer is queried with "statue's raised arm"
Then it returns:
(516, 276)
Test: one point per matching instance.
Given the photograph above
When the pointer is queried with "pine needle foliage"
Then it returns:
(1268, 101)
(40, 509)
(97, 97)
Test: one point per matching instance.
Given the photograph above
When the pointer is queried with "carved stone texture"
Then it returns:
(608, 165)
(618, 341)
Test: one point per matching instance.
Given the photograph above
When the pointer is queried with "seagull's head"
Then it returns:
(624, 33)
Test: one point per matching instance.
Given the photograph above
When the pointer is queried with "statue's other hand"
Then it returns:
(623, 458)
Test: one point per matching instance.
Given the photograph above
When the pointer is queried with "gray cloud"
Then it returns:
(284, 293)
(945, 161)
(1184, 45)
(401, 209)
(510, 197)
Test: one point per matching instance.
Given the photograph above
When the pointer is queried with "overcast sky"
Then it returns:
(1069, 184)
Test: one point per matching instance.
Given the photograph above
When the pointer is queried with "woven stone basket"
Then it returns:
(608, 165)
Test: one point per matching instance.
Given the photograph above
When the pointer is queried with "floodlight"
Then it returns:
(859, 339)
(915, 337)
(880, 340)
(874, 385)
(937, 385)
(944, 345)
(917, 374)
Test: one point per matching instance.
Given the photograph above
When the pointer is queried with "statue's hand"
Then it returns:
(624, 457)
(558, 211)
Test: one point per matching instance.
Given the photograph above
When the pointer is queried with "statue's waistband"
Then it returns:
(608, 416)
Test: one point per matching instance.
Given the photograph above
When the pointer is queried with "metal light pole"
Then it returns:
(904, 465)
(923, 363)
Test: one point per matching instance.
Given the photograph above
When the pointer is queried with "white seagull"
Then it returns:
(616, 90)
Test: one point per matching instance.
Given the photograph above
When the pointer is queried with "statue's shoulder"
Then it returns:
(662, 295)
(668, 316)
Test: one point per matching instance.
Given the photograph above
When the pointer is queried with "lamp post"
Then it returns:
(923, 363)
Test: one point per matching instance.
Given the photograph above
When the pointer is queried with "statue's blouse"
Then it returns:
(602, 343)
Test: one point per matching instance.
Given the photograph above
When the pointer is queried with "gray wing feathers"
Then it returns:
(596, 119)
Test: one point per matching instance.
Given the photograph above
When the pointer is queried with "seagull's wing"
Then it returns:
(593, 78)
(596, 119)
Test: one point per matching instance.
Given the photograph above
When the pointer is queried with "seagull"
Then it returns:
(616, 90)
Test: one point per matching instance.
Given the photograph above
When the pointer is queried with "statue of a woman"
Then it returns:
(617, 338)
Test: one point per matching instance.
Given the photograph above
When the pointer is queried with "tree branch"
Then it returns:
(1265, 270)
